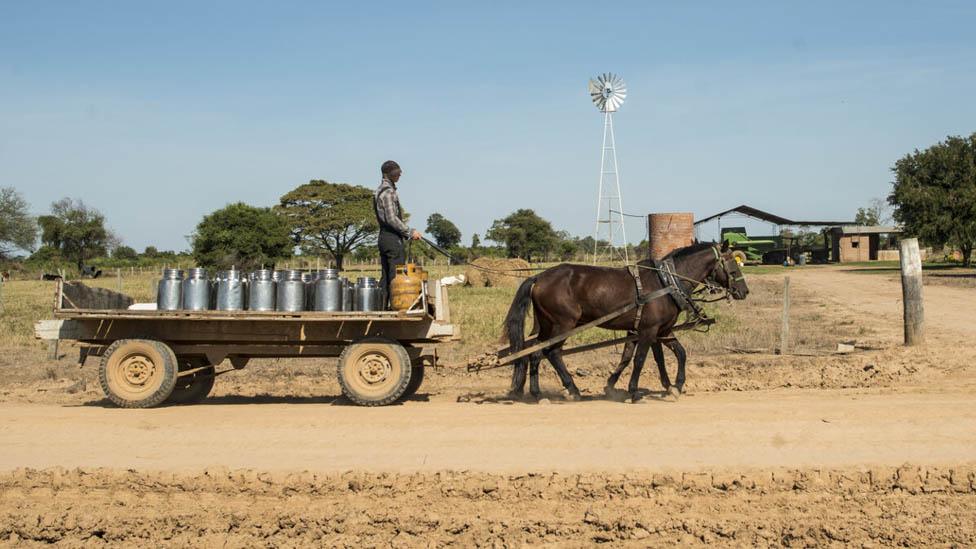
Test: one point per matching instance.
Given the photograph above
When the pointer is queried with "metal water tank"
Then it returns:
(367, 294)
(230, 291)
(196, 290)
(328, 291)
(169, 292)
(348, 295)
(291, 292)
(669, 231)
(261, 291)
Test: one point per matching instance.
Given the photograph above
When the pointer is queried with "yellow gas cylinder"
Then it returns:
(406, 286)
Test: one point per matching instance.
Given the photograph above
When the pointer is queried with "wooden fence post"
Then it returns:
(911, 291)
(118, 273)
(1, 293)
(784, 334)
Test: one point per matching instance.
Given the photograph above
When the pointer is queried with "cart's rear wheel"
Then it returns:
(416, 380)
(194, 387)
(138, 373)
(374, 371)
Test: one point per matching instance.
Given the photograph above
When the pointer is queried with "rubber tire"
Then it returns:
(192, 389)
(162, 357)
(740, 257)
(392, 352)
(416, 380)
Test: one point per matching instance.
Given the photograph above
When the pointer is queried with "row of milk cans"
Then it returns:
(266, 290)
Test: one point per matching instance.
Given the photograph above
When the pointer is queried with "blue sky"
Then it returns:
(158, 113)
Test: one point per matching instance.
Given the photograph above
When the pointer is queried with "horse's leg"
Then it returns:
(555, 356)
(639, 357)
(682, 356)
(658, 352)
(518, 379)
(625, 358)
(534, 361)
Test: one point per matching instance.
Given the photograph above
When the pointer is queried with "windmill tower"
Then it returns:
(608, 92)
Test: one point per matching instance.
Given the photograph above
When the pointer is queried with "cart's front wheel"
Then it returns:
(138, 373)
(374, 371)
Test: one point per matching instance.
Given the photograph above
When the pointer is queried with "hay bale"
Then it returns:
(507, 275)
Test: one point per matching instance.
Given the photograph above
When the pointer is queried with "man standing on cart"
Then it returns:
(393, 230)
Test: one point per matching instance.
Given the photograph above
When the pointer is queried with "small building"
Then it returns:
(858, 242)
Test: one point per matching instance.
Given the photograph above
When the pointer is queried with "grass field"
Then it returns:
(479, 313)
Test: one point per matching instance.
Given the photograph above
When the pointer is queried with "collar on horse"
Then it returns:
(671, 283)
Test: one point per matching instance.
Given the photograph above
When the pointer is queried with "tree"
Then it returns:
(866, 216)
(18, 230)
(475, 241)
(241, 236)
(76, 230)
(124, 252)
(934, 194)
(329, 217)
(524, 234)
(150, 252)
(444, 232)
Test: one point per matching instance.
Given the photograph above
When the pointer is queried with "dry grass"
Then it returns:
(479, 312)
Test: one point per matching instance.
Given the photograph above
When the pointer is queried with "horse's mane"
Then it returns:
(688, 250)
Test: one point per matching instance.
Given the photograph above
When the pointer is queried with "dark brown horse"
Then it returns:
(567, 296)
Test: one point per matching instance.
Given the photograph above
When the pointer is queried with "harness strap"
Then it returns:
(635, 272)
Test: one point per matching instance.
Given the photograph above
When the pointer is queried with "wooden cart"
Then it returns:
(153, 357)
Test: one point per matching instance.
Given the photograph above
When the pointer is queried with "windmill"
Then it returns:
(608, 92)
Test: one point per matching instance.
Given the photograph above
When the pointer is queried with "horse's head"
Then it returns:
(727, 273)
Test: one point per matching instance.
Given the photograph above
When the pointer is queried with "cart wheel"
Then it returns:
(416, 380)
(138, 373)
(740, 257)
(192, 389)
(374, 371)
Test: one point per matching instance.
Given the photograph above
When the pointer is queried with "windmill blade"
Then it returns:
(595, 87)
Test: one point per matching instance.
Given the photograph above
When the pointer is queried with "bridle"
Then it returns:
(730, 278)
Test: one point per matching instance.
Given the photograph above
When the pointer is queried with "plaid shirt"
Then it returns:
(389, 214)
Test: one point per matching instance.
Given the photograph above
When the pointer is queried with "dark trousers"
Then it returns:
(391, 255)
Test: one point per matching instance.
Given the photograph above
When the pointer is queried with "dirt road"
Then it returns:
(870, 448)
(715, 430)
(948, 309)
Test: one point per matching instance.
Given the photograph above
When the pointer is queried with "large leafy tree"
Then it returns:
(524, 234)
(77, 231)
(934, 194)
(443, 230)
(242, 236)
(18, 230)
(332, 218)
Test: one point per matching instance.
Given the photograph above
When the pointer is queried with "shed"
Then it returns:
(857, 242)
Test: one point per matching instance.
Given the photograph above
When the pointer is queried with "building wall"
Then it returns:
(856, 247)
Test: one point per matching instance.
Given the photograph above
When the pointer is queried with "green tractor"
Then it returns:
(769, 250)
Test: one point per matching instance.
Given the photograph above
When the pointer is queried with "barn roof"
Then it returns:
(771, 218)
(865, 229)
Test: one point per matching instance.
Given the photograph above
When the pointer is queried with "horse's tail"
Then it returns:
(515, 319)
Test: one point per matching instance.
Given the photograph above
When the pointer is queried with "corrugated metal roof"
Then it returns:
(865, 229)
(772, 218)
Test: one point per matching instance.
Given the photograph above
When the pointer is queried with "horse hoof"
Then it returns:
(636, 397)
(674, 393)
(609, 390)
(574, 397)
(513, 395)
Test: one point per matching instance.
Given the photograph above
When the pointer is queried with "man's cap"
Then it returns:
(388, 167)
